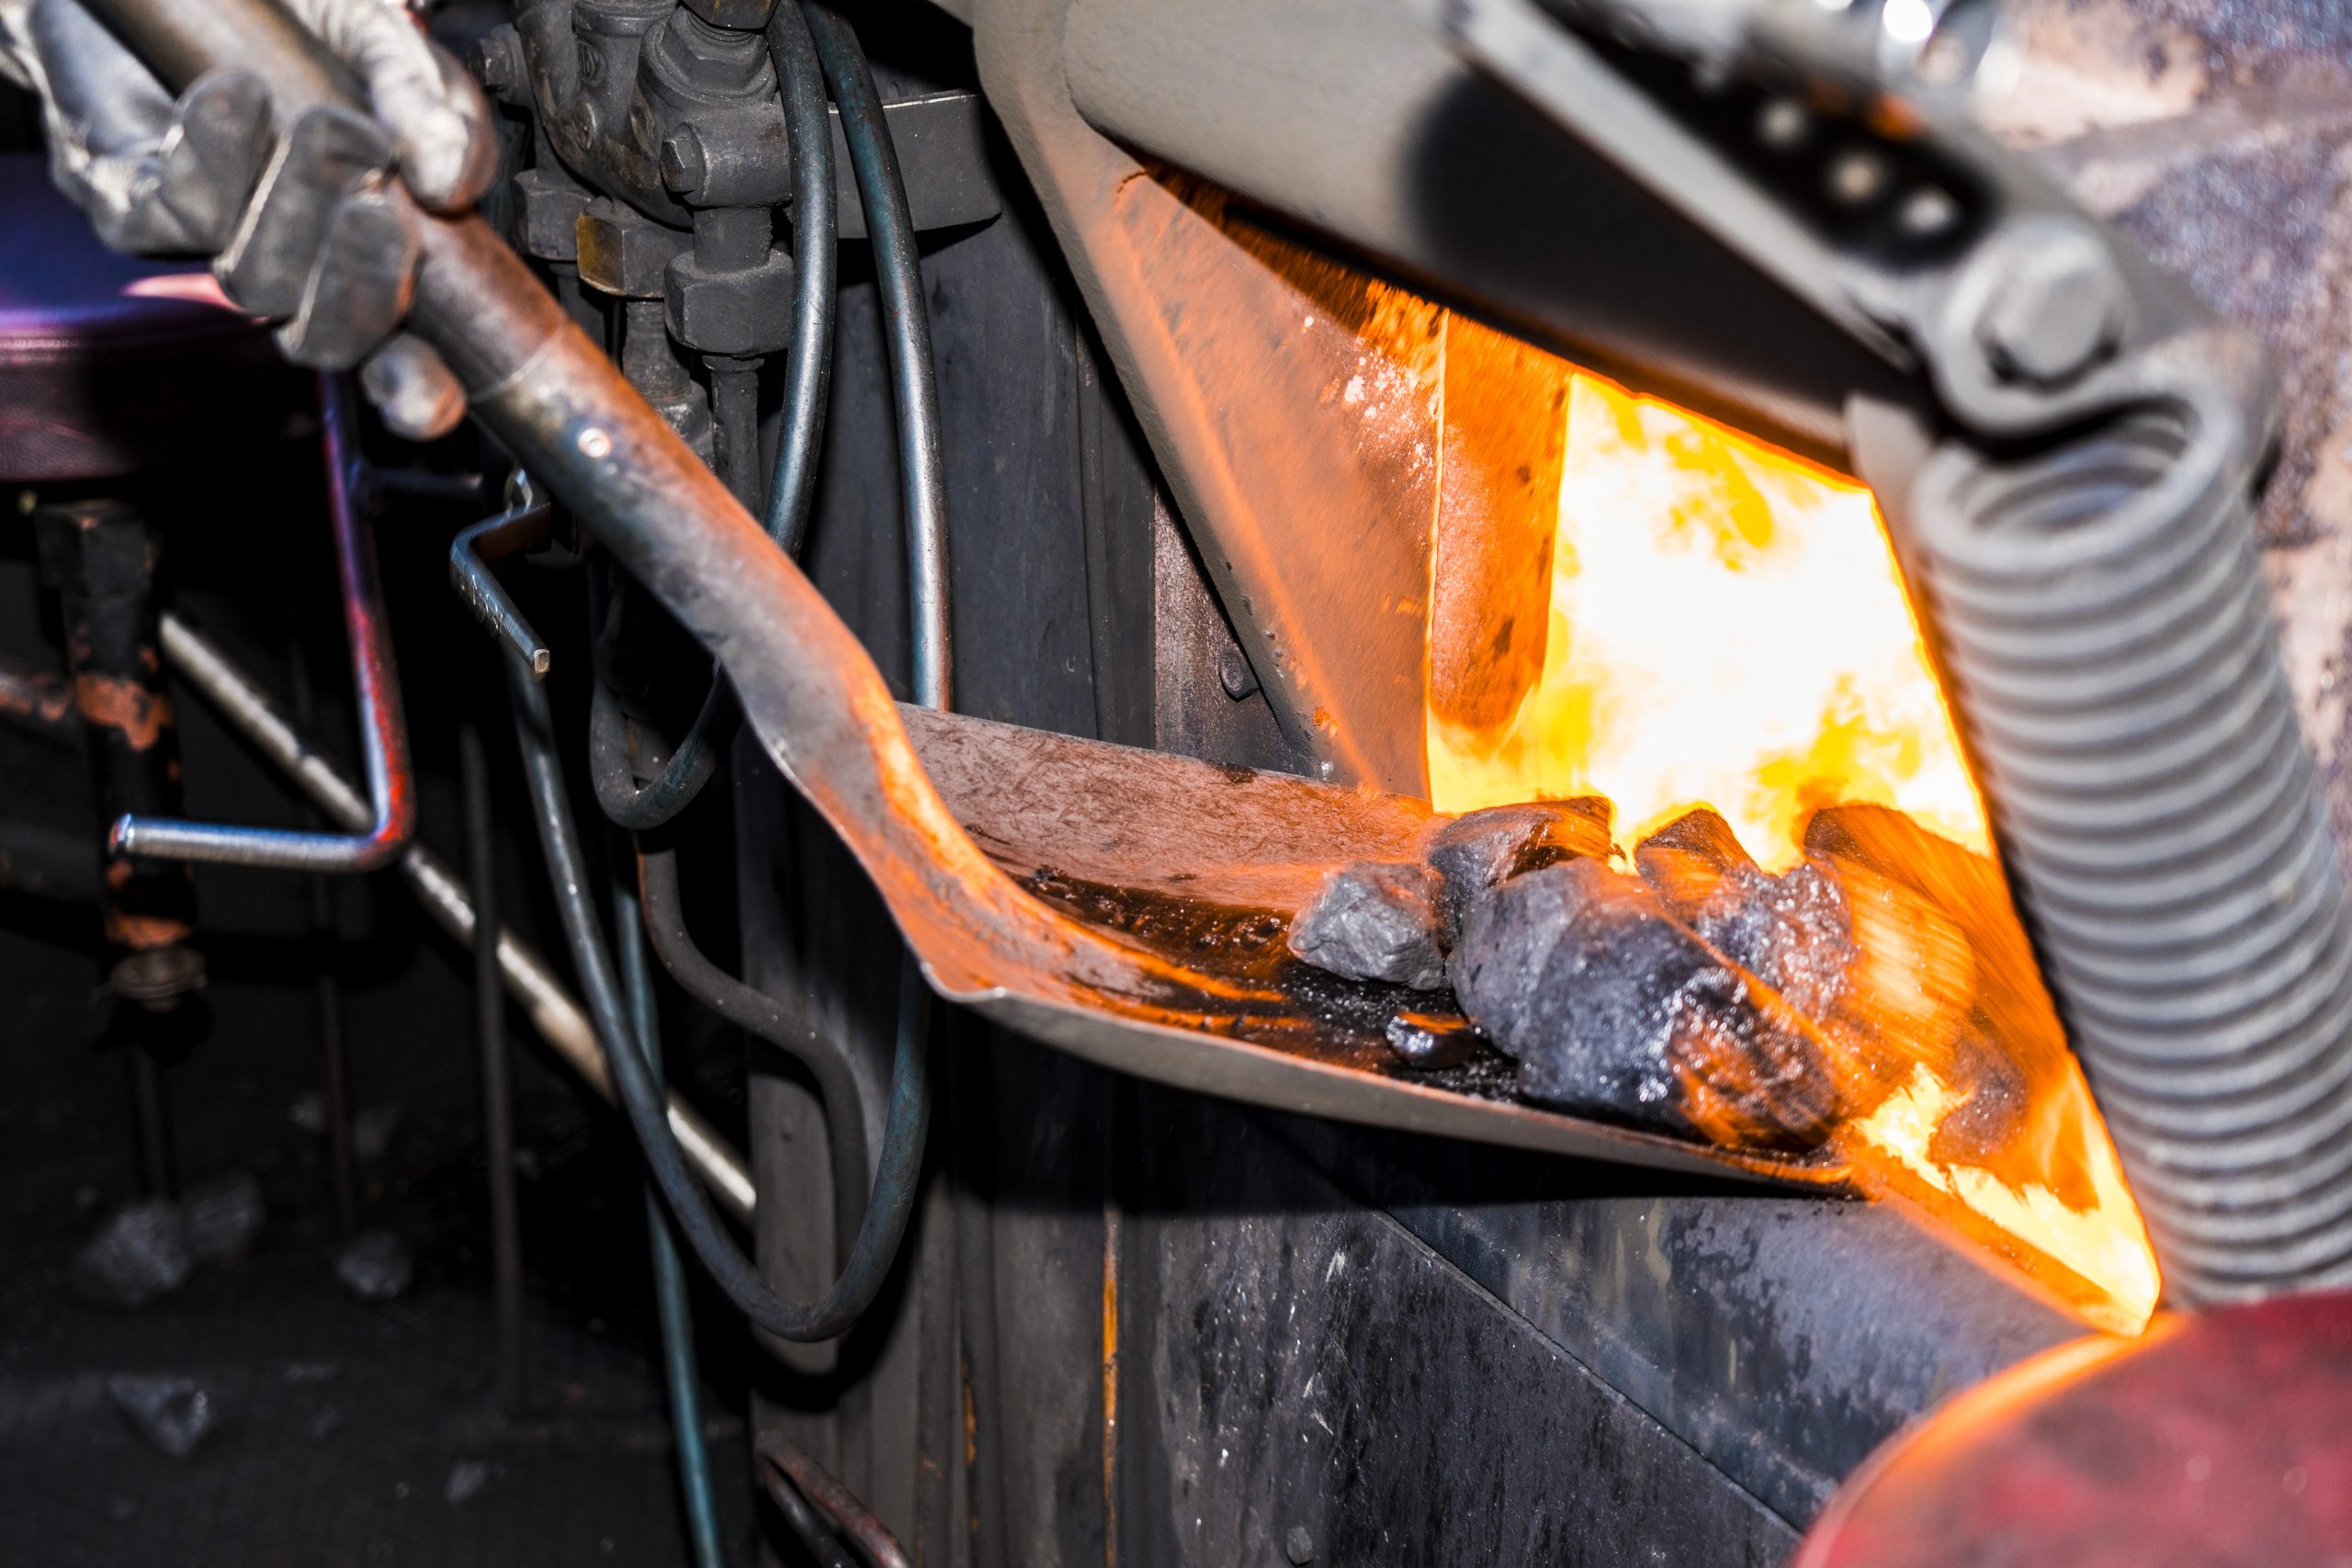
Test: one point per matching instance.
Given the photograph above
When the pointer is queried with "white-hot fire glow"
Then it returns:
(1727, 628)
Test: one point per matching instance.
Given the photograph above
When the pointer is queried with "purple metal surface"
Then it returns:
(2218, 1440)
(110, 365)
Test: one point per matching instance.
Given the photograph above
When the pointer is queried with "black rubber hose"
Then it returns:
(756, 1013)
(890, 228)
(641, 1097)
(815, 267)
(678, 778)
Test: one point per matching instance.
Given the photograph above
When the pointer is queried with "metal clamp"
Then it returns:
(383, 737)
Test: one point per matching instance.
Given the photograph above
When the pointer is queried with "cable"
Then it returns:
(756, 1013)
(670, 1305)
(890, 228)
(816, 263)
(640, 1094)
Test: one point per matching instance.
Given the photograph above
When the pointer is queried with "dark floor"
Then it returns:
(352, 1432)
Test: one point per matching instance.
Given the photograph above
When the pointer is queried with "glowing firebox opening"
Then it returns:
(1727, 627)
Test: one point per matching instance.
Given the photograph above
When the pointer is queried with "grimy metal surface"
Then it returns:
(813, 696)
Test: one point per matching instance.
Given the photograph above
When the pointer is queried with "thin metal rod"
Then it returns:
(383, 737)
(554, 1013)
(518, 527)
(889, 226)
(151, 1117)
(842, 1507)
(671, 1308)
(497, 1087)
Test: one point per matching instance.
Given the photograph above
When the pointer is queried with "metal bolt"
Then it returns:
(594, 445)
(686, 162)
(2057, 308)
(1299, 1546)
(1233, 673)
(495, 59)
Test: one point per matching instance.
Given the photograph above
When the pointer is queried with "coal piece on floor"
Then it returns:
(1614, 1008)
(174, 1414)
(141, 1254)
(1375, 922)
(1482, 849)
(376, 1267)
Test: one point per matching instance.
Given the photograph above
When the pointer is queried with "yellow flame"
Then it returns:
(1728, 628)
(2094, 1242)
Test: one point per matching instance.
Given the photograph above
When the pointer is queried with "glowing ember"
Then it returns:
(1727, 628)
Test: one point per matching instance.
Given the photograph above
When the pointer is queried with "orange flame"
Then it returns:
(1723, 624)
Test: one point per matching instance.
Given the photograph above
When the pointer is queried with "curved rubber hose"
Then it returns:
(671, 1308)
(907, 329)
(756, 1013)
(816, 265)
(641, 1095)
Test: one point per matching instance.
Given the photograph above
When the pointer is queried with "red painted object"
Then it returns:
(111, 366)
(2221, 1440)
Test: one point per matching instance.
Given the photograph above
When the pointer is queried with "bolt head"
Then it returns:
(1299, 1546)
(685, 161)
(495, 60)
(2057, 309)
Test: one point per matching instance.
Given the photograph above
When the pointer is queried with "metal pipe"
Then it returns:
(671, 1308)
(842, 1507)
(383, 739)
(520, 527)
(882, 190)
(497, 1087)
(554, 1013)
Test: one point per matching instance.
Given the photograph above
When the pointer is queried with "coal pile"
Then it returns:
(1697, 994)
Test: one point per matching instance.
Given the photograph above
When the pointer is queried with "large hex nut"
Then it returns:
(624, 253)
(741, 312)
(546, 214)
